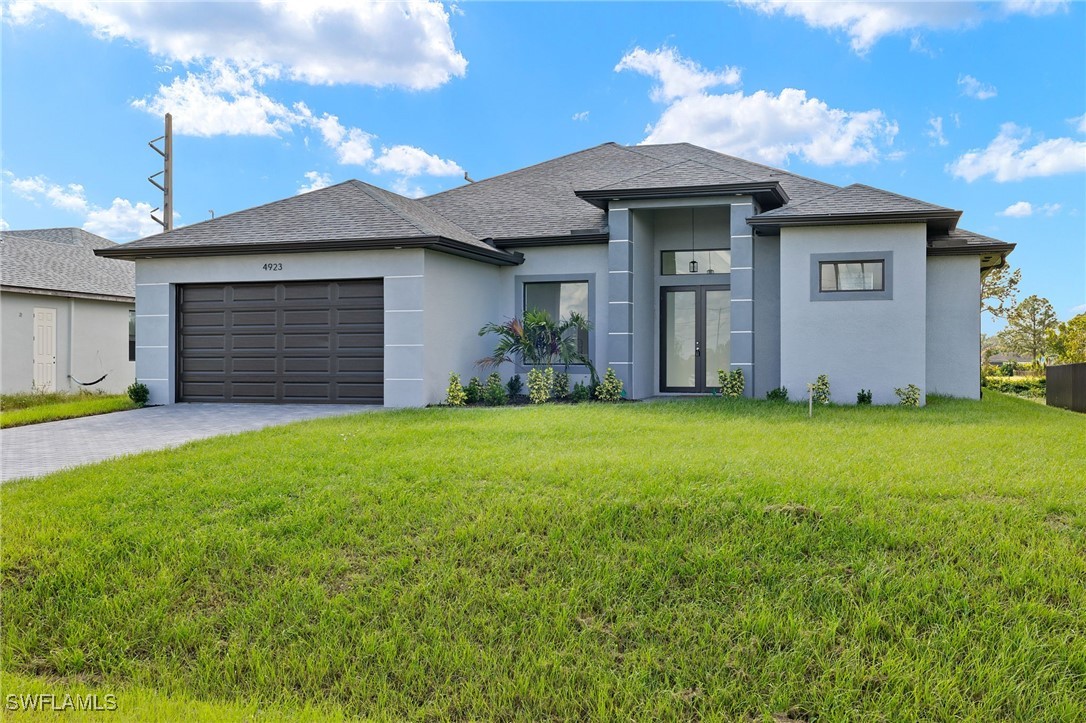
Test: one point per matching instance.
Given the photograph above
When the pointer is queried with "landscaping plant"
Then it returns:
(514, 386)
(138, 393)
(540, 385)
(581, 393)
(474, 391)
(820, 390)
(494, 394)
(909, 396)
(610, 387)
(561, 385)
(538, 340)
(863, 397)
(454, 393)
(731, 383)
(780, 394)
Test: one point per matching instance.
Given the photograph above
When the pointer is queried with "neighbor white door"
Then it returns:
(45, 349)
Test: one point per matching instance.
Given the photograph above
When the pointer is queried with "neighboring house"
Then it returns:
(686, 261)
(66, 315)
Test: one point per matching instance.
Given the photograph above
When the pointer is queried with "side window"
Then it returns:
(560, 299)
(852, 276)
(131, 335)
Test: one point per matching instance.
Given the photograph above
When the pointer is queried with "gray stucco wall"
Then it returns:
(402, 271)
(873, 344)
(96, 344)
(953, 318)
(767, 315)
(460, 297)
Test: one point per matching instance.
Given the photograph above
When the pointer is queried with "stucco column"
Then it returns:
(619, 352)
(742, 304)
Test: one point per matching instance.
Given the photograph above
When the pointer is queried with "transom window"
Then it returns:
(851, 275)
(697, 261)
(560, 299)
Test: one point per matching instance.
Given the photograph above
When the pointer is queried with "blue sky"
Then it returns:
(981, 107)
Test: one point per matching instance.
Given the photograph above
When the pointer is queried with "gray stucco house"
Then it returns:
(66, 315)
(685, 260)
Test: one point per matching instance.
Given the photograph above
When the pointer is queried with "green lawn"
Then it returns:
(664, 561)
(17, 410)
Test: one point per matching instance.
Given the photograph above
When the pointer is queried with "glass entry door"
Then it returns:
(695, 337)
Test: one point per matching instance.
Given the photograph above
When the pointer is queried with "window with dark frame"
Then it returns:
(560, 299)
(131, 335)
(696, 261)
(846, 276)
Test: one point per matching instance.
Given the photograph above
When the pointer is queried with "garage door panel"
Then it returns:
(283, 342)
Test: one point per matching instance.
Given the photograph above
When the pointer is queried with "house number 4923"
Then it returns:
(273, 267)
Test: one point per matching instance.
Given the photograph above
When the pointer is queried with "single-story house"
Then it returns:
(686, 261)
(67, 316)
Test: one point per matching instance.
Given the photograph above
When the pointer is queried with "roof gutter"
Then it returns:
(434, 243)
(68, 294)
(561, 240)
(843, 219)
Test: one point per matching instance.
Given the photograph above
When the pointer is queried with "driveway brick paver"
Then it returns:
(39, 449)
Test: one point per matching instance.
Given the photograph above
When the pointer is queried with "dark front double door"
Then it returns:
(695, 337)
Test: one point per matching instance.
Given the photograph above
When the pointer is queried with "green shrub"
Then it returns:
(1032, 387)
(610, 387)
(474, 391)
(581, 393)
(780, 394)
(1006, 369)
(863, 397)
(454, 393)
(494, 393)
(138, 393)
(514, 386)
(540, 385)
(561, 385)
(731, 383)
(909, 396)
(820, 390)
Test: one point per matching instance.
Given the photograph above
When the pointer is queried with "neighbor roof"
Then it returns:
(352, 214)
(857, 204)
(62, 261)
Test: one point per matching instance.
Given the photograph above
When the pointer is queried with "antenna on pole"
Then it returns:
(166, 222)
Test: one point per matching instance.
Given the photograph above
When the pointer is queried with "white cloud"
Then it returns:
(320, 42)
(676, 76)
(764, 126)
(975, 89)
(1024, 209)
(315, 181)
(1079, 123)
(409, 161)
(405, 187)
(224, 100)
(123, 220)
(352, 146)
(4, 225)
(935, 132)
(582, 116)
(1007, 158)
(866, 22)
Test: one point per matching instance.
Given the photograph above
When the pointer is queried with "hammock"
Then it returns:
(88, 384)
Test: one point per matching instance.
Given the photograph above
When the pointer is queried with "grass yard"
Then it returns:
(664, 561)
(17, 410)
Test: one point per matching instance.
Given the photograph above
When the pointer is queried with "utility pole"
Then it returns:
(166, 222)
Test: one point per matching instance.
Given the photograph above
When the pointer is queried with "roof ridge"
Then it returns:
(672, 165)
(517, 171)
(413, 203)
(412, 222)
(899, 195)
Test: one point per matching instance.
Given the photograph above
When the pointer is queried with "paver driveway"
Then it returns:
(38, 449)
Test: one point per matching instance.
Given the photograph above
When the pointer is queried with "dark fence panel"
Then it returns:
(1066, 387)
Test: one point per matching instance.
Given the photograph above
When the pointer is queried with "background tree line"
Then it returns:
(1033, 329)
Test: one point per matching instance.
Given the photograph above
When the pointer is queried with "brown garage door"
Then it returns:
(303, 342)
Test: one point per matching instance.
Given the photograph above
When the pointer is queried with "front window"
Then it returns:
(559, 299)
(131, 335)
(699, 261)
(851, 276)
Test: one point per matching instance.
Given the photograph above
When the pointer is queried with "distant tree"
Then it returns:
(990, 345)
(999, 291)
(1067, 342)
(1028, 325)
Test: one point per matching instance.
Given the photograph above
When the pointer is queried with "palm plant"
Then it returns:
(537, 339)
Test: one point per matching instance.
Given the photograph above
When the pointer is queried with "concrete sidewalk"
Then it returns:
(39, 449)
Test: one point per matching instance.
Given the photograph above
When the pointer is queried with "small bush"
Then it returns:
(454, 393)
(863, 396)
(780, 394)
(540, 385)
(820, 390)
(561, 385)
(610, 387)
(494, 392)
(1031, 387)
(581, 393)
(731, 383)
(1006, 369)
(514, 386)
(909, 396)
(474, 391)
(138, 393)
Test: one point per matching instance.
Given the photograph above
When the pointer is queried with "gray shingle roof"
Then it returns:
(684, 173)
(63, 260)
(352, 210)
(854, 199)
(960, 238)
